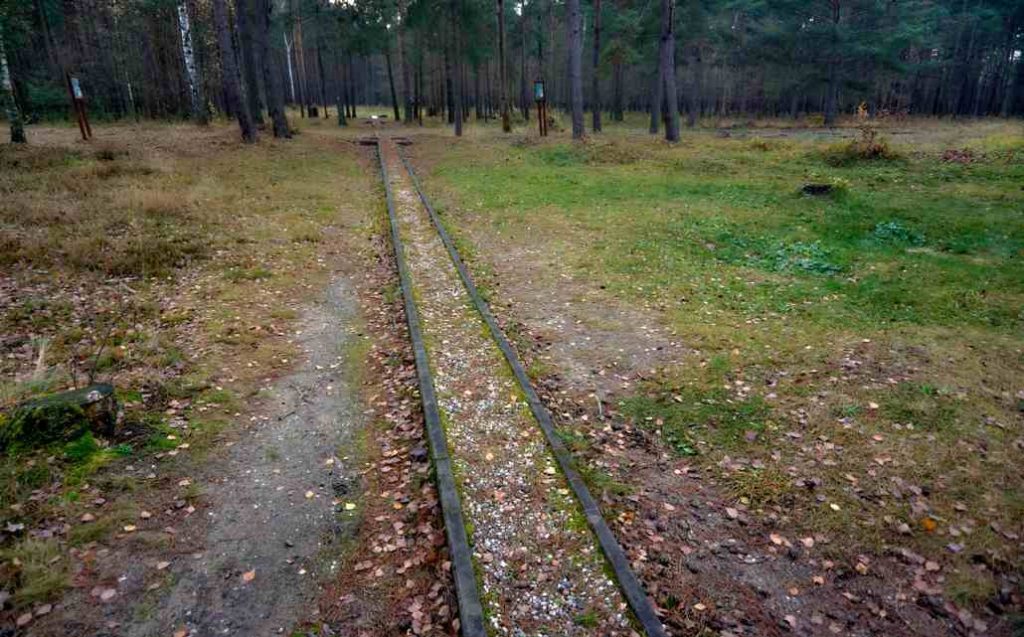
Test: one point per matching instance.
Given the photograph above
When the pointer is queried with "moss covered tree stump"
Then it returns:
(61, 417)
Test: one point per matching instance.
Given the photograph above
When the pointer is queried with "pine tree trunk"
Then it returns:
(506, 115)
(656, 99)
(323, 81)
(271, 76)
(250, 65)
(693, 101)
(617, 92)
(7, 97)
(457, 75)
(229, 72)
(351, 83)
(574, 42)
(595, 93)
(340, 89)
(447, 89)
(524, 91)
(477, 103)
(403, 51)
(832, 95)
(391, 82)
(195, 85)
(667, 61)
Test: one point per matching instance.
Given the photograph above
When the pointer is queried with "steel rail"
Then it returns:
(631, 587)
(471, 616)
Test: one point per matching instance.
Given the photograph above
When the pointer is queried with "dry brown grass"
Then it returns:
(116, 262)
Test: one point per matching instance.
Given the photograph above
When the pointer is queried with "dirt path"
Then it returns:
(273, 502)
(542, 573)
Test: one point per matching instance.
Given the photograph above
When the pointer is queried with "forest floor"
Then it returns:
(802, 414)
(805, 414)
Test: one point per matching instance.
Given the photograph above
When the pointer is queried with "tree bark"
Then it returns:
(271, 77)
(506, 115)
(574, 42)
(323, 80)
(832, 95)
(403, 51)
(693, 100)
(524, 91)
(595, 88)
(667, 62)
(229, 72)
(352, 85)
(457, 75)
(7, 96)
(656, 99)
(291, 71)
(832, 90)
(195, 84)
(340, 89)
(391, 81)
(247, 38)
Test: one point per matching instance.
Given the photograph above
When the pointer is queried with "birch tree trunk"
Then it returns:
(7, 97)
(229, 72)
(667, 63)
(574, 33)
(188, 54)
(291, 73)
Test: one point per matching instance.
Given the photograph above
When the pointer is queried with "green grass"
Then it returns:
(691, 417)
(880, 324)
(673, 218)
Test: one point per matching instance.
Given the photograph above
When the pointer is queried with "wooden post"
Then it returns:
(542, 107)
(78, 104)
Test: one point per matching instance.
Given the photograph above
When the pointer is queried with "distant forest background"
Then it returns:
(746, 58)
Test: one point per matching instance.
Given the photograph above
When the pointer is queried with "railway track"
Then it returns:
(542, 560)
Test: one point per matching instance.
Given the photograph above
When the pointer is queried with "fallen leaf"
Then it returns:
(249, 576)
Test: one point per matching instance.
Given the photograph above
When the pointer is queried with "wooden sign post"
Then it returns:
(78, 103)
(542, 106)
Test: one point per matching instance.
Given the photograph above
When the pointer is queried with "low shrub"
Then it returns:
(894, 232)
(870, 146)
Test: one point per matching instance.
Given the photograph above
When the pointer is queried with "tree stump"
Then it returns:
(61, 417)
(816, 190)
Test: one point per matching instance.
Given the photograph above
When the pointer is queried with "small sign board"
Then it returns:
(76, 89)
